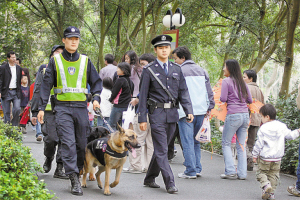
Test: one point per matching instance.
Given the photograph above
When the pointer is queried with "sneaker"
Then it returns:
(183, 175)
(39, 138)
(272, 196)
(293, 190)
(230, 176)
(132, 171)
(266, 192)
(198, 174)
(241, 178)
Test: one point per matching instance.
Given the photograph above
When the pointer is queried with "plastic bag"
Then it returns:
(204, 133)
(128, 116)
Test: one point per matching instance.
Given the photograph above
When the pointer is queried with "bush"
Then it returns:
(18, 168)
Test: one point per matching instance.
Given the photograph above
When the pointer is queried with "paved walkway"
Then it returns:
(209, 186)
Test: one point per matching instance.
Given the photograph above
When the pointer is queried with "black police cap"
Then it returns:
(56, 47)
(72, 31)
(161, 40)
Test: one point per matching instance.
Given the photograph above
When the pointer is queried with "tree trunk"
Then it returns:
(144, 26)
(233, 38)
(102, 37)
(292, 23)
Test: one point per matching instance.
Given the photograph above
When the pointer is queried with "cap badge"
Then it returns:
(163, 38)
(73, 29)
(71, 70)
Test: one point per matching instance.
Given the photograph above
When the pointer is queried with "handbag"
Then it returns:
(128, 116)
(204, 134)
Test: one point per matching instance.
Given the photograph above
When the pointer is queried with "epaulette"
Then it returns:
(148, 65)
(173, 63)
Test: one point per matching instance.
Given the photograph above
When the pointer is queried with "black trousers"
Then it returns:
(51, 139)
(162, 133)
(72, 128)
(172, 143)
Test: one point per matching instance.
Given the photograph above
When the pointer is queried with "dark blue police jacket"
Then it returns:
(150, 88)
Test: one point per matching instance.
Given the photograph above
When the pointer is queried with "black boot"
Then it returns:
(76, 187)
(59, 172)
(47, 164)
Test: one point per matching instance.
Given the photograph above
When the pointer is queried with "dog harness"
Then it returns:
(99, 147)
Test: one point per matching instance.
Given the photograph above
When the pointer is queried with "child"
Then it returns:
(269, 149)
(24, 96)
(121, 94)
(105, 105)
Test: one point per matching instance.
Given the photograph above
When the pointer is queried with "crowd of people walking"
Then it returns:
(169, 97)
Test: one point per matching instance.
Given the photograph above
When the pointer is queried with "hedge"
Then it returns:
(18, 168)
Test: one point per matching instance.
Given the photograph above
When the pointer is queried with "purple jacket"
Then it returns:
(229, 94)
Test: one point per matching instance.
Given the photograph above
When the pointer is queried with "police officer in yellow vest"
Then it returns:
(69, 73)
(50, 139)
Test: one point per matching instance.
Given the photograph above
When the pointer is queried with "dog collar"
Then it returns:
(115, 154)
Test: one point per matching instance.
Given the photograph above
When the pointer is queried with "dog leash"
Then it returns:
(98, 112)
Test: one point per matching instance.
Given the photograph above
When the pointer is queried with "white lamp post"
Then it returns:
(171, 21)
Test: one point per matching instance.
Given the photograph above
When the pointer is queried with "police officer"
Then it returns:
(69, 73)
(163, 113)
(51, 139)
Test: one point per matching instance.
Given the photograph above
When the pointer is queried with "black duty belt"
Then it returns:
(165, 105)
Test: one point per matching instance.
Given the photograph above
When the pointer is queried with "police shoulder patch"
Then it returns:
(148, 65)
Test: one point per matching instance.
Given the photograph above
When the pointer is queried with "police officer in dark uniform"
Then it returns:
(69, 73)
(50, 139)
(162, 108)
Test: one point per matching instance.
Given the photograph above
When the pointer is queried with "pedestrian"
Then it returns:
(105, 105)
(295, 189)
(10, 89)
(109, 69)
(48, 129)
(69, 73)
(250, 77)
(24, 97)
(136, 70)
(121, 94)
(143, 157)
(269, 149)
(162, 106)
(202, 98)
(236, 94)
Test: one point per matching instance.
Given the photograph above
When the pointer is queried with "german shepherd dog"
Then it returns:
(118, 143)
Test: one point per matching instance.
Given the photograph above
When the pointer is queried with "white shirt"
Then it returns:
(270, 141)
(13, 81)
(105, 104)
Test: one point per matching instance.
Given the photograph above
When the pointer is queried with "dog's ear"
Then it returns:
(120, 129)
(130, 126)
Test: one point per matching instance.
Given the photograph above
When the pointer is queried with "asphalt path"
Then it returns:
(209, 186)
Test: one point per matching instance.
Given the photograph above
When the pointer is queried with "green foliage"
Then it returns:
(288, 113)
(18, 168)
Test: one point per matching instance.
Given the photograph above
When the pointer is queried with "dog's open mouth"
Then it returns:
(131, 149)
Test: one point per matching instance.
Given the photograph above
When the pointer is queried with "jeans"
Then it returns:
(100, 122)
(38, 129)
(191, 147)
(235, 123)
(116, 117)
(298, 172)
(16, 109)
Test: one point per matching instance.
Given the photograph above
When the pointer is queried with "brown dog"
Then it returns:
(109, 153)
